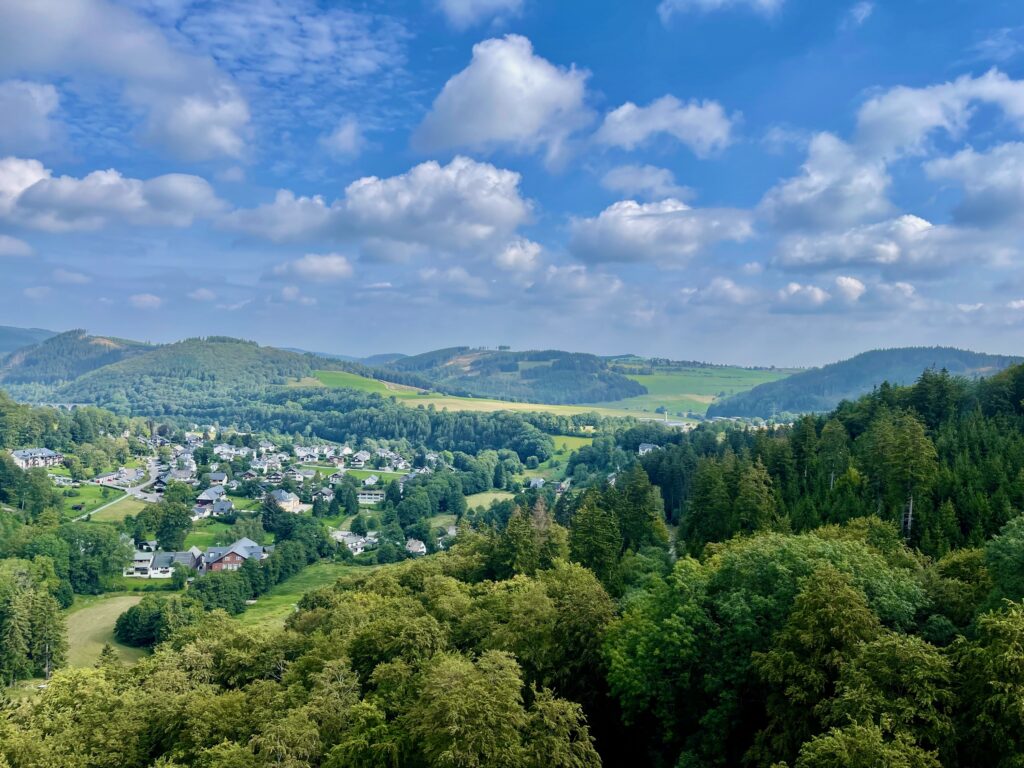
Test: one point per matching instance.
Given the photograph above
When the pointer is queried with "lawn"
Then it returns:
(441, 521)
(91, 624)
(204, 533)
(343, 379)
(273, 608)
(89, 496)
(484, 499)
(243, 504)
(692, 389)
(115, 513)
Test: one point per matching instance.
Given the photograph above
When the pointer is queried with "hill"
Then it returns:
(821, 389)
(12, 338)
(64, 357)
(188, 377)
(541, 376)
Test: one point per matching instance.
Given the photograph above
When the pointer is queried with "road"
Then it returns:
(138, 491)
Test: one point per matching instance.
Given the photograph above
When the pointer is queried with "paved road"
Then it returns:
(138, 491)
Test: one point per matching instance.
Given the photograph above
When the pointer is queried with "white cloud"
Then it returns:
(858, 14)
(318, 267)
(145, 301)
(467, 13)
(669, 8)
(850, 288)
(455, 280)
(202, 294)
(292, 295)
(574, 282)
(669, 232)
(721, 290)
(906, 242)
(796, 295)
(37, 292)
(507, 97)
(702, 126)
(519, 256)
(993, 183)
(70, 278)
(34, 127)
(12, 246)
(192, 107)
(32, 196)
(1001, 45)
(901, 119)
(460, 206)
(646, 180)
(836, 188)
(346, 140)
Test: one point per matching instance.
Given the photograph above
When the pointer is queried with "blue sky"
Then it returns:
(757, 181)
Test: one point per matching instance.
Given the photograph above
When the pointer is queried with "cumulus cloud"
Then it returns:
(795, 295)
(901, 119)
(508, 97)
(460, 206)
(192, 108)
(454, 280)
(12, 246)
(32, 196)
(34, 105)
(577, 283)
(850, 288)
(703, 126)
(145, 301)
(669, 8)
(836, 188)
(906, 242)
(668, 232)
(520, 255)
(467, 13)
(993, 183)
(292, 295)
(645, 180)
(70, 278)
(721, 290)
(346, 140)
(318, 267)
(202, 294)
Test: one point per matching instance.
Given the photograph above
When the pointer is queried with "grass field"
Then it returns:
(414, 397)
(273, 608)
(91, 624)
(692, 389)
(115, 513)
(484, 499)
(90, 497)
(204, 533)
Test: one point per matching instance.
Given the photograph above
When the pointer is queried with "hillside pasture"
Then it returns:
(90, 622)
(273, 608)
(115, 513)
(89, 496)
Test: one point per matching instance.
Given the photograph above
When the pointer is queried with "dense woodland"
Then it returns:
(845, 591)
(821, 389)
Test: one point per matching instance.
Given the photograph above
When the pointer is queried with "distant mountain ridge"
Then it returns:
(12, 338)
(822, 389)
(64, 357)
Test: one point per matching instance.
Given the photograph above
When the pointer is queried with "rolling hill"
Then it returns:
(541, 376)
(12, 338)
(64, 357)
(821, 389)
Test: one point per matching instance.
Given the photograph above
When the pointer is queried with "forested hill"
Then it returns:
(822, 389)
(541, 376)
(12, 338)
(65, 357)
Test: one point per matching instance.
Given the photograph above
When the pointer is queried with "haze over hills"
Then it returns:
(821, 389)
(64, 357)
(12, 338)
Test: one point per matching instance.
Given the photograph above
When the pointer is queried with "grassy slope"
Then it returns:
(273, 608)
(414, 397)
(91, 624)
(90, 496)
(692, 389)
(484, 499)
(119, 511)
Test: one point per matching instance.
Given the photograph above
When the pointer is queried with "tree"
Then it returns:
(754, 509)
(595, 540)
(864, 746)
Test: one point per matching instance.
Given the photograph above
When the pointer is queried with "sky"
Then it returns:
(763, 182)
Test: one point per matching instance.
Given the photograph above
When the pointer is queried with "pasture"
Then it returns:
(89, 496)
(273, 608)
(90, 622)
(486, 498)
(204, 533)
(115, 513)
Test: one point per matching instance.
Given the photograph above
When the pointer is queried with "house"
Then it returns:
(223, 507)
(249, 475)
(232, 557)
(286, 500)
(536, 482)
(370, 497)
(371, 480)
(356, 463)
(345, 451)
(140, 565)
(326, 494)
(163, 563)
(275, 477)
(29, 458)
(267, 447)
(217, 478)
(415, 547)
(210, 495)
(293, 474)
(336, 478)
(646, 448)
(407, 478)
(201, 512)
(356, 544)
